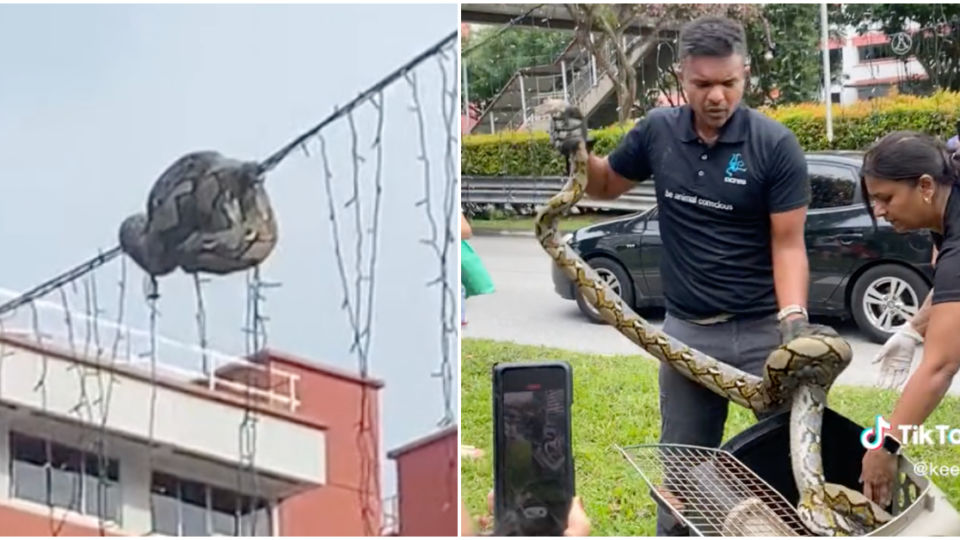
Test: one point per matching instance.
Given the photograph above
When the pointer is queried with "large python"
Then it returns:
(206, 213)
(798, 373)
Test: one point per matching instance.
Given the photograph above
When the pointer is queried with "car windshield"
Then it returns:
(643, 220)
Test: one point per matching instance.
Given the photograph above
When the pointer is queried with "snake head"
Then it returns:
(144, 248)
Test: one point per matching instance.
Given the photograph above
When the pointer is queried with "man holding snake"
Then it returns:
(732, 191)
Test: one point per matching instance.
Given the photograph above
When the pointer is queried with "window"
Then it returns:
(101, 486)
(875, 52)
(837, 75)
(831, 186)
(867, 93)
(164, 495)
(58, 475)
(188, 508)
(65, 473)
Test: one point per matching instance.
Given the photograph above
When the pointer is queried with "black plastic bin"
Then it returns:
(765, 449)
(919, 508)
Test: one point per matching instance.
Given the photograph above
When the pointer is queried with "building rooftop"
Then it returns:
(423, 441)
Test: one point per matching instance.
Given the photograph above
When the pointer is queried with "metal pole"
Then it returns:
(563, 68)
(523, 100)
(593, 70)
(827, 92)
(493, 126)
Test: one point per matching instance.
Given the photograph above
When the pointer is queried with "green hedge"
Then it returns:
(854, 128)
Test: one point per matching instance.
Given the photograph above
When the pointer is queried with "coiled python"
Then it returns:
(798, 373)
(206, 213)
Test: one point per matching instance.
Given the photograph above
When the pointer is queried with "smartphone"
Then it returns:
(533, 456)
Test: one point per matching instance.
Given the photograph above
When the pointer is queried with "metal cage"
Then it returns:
(712, 492)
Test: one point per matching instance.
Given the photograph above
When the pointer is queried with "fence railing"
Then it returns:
(536, 190)
(390, 525)
(103, 341)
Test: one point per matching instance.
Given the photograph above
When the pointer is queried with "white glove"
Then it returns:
(896, 357)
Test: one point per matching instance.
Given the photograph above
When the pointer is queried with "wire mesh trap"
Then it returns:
(712, 492)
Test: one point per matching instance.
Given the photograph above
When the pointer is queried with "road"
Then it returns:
(526, 310)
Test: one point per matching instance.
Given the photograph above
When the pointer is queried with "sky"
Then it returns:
(96, 101)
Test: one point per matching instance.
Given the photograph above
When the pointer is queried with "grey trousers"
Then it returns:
(692, 414)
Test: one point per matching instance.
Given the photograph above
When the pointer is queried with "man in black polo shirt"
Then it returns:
(732, 191)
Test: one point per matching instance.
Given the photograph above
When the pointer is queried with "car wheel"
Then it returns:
(616, 277)
(885, 298)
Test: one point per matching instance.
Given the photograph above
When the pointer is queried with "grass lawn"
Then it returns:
(616, 402)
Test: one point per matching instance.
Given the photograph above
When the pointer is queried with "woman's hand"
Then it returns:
(465, 230)
(578, 524)
(878, 471)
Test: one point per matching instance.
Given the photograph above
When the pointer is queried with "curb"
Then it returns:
(503, 232)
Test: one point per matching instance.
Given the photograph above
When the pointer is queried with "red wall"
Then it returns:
(17, 522)
(427, 485)
(335, 509)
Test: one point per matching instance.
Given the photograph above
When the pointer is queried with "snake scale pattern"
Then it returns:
(798, 373)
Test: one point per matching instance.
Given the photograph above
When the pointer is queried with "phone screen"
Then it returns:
(535, 480)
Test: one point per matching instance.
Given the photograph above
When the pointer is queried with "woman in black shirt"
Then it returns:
(911, 180)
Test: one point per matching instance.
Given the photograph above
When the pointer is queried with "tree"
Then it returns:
(614, 20)
(781, 41)
(785, 62)
(493, 54)
(936, 44)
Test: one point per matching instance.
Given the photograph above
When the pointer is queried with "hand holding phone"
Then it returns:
(533, 457)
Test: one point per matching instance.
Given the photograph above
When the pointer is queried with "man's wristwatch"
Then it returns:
(790, 310)
(891, 444)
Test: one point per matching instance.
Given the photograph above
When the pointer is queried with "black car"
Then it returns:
(874, 274)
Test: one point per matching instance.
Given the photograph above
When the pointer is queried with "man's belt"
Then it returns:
(716, 319)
